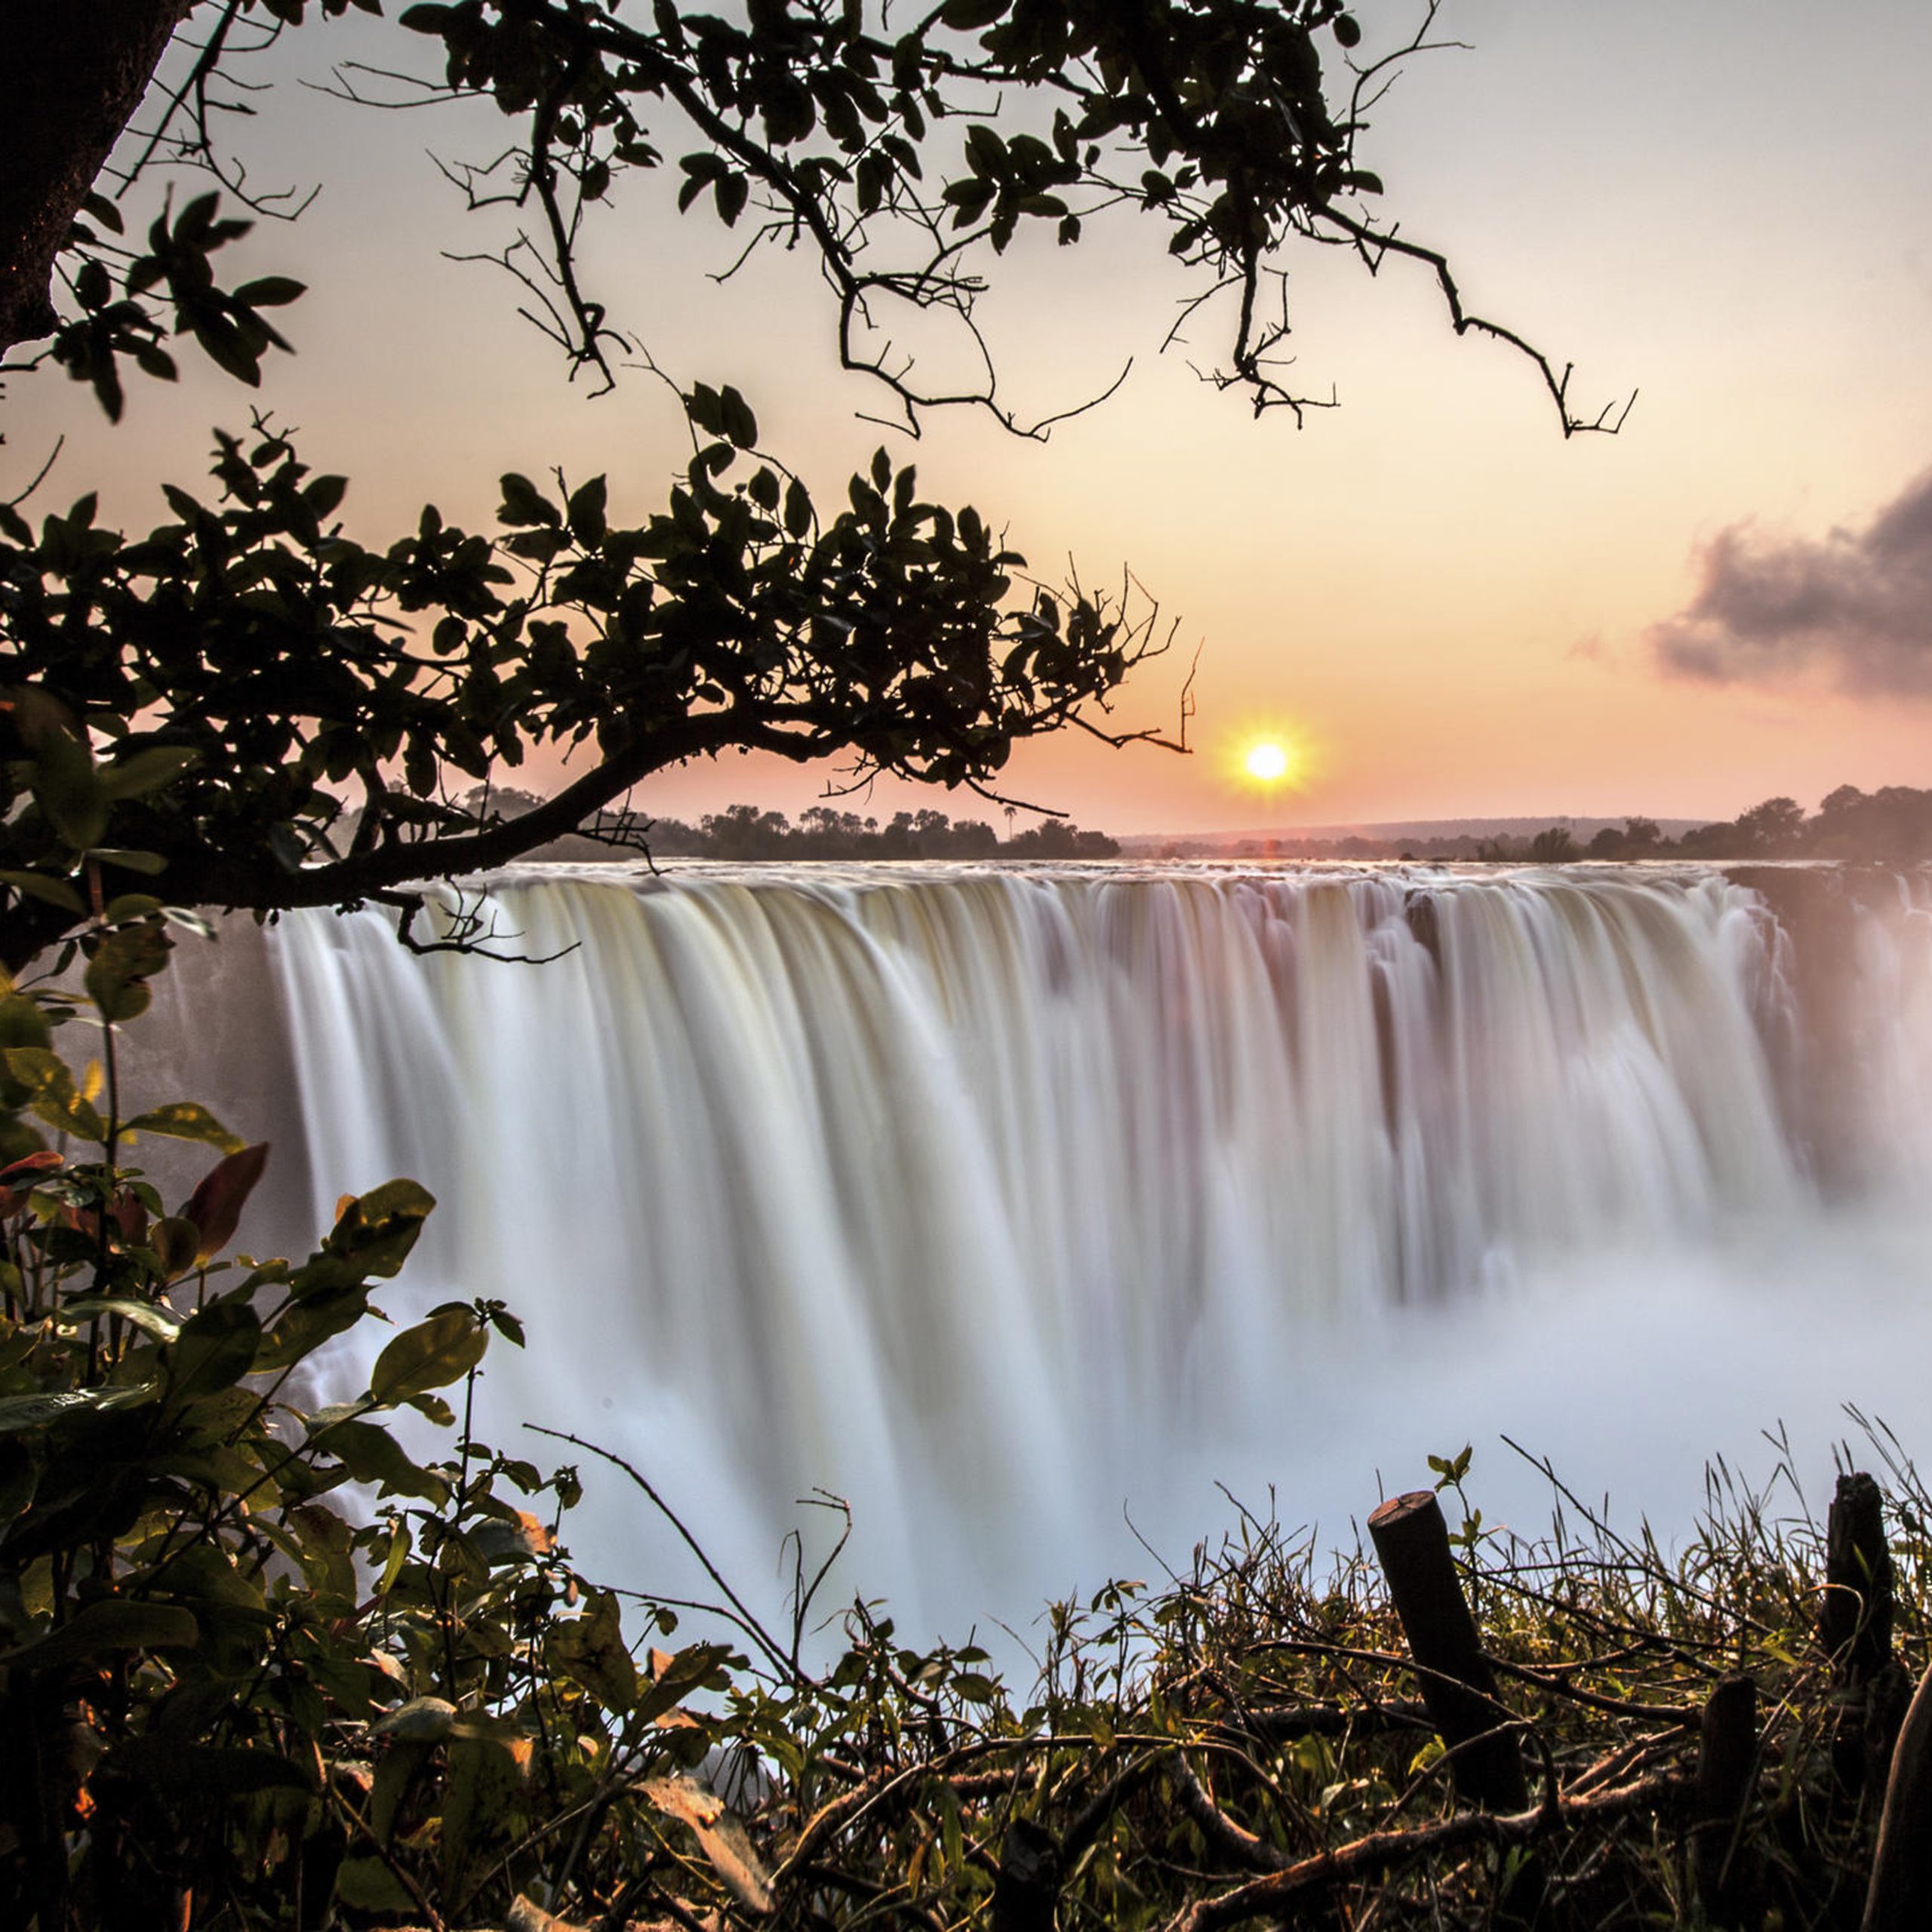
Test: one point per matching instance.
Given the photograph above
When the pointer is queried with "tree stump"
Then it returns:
(1727, 1757)
(1458, 1688)
(1026, 1891)
(1855, 1630)
(1855, 1618)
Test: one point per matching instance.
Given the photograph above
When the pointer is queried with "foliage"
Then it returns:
(288, 665)
(111, 324)
(898, 153)
(229, 1701)
(235, 1699)
(270, 660)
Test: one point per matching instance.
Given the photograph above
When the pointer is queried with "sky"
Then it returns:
(1445, 607)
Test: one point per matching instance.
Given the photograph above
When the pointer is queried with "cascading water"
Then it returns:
(992, 1200)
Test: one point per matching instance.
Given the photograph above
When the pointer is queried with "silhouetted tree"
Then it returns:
(1772, 829)
(203, 697)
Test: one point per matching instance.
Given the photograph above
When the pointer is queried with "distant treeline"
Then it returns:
(744, 832)
(1893, 822)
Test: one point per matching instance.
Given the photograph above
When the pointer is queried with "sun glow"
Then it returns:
(1267, 763)
(1263, 755)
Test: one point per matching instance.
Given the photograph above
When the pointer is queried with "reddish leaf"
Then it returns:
(30, 1163)
(17, 1177)
(130, 1216)
(176, 1241)
(215, 1207)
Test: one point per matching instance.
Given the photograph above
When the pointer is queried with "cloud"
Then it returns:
(1857, 608)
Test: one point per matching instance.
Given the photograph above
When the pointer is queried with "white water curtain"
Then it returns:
(979, 1195)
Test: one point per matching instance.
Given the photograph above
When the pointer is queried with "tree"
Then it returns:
(199, 702)
(1773, 827)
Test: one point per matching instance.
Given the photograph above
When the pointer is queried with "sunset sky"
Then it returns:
(1727, 207)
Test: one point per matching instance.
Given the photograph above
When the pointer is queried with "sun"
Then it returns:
(1263, 756)
(1267, 762)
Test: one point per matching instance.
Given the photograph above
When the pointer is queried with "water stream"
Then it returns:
(1001, 1202)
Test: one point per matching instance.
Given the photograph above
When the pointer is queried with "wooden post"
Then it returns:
(1855, 1620)
(1900, 1899)
(1855, 1630)
(1727, 1755)
(1026, 1891)
(1458, 1688)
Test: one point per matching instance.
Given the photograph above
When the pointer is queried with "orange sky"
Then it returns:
(1728, 206)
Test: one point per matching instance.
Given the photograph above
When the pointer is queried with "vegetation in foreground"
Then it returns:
(234, 1699)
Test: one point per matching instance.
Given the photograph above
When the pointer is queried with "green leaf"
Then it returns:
(162, 1323)
(430, 1355)
(19, 1412)
(421, 1720)
(51, 1093)
(186, 1120)
(372, 1455)
(51, 891)
(376, 1230)
(215, 1348)
(968, 16)
(122, 963)
(68, 789)
(798, 510)
(309, 1322)
(367, 1884)
(590, 1650)
(127, 906)
(98, 207)
(689, 1670)
(146, 771)
(113, 1623)
(523, 504)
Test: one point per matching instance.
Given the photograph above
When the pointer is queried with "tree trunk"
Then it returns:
(74, 73)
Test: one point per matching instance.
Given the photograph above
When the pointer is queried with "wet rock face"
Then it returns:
(1856, 965)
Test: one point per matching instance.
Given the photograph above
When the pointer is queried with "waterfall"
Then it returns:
(991, 1198)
